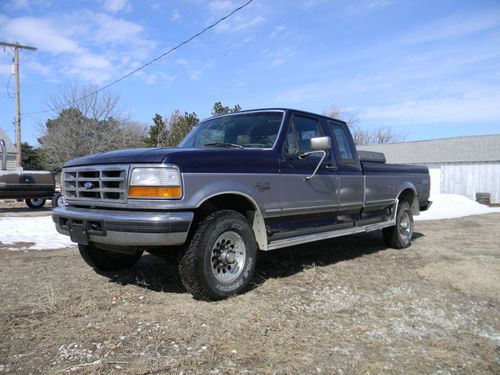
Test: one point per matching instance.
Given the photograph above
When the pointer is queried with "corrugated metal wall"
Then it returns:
(11, 162)
(470, 178)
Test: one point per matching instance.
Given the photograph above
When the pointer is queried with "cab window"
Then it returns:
(302, 129)
(341, 140)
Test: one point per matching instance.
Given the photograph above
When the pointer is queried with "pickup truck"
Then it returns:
(35, 187)
(239, 183)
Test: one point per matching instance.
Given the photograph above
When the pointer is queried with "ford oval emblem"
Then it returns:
(88, 185)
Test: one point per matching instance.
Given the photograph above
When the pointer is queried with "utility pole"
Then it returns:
(16, 47)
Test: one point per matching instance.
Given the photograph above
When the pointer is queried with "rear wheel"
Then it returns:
(220, 259)
(35, 202)
(105, 260)
(399, 236)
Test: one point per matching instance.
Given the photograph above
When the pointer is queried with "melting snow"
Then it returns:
(31, 233)
(450, 206)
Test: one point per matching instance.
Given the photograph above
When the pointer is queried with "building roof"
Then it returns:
(482, 148)
(10, 147)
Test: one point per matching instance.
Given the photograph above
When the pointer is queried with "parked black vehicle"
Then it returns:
(35, 187)
(238, 183)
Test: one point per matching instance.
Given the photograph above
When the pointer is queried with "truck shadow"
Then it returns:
(161, 275)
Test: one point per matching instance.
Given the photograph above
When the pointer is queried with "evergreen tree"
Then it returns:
(220, 109)
(32, 158)
(158, 132)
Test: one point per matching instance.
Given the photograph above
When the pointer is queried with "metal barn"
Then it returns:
(462, 165)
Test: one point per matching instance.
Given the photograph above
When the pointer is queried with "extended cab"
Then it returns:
(238, 183)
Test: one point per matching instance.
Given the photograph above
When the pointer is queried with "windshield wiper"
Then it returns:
(229, 145)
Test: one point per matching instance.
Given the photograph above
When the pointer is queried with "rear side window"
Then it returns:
(301, 131)
(342, 141)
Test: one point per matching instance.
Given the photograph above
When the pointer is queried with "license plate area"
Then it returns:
(78, 232)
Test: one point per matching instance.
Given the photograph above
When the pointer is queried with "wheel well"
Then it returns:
(233, 202)
(409, 195)
(238, 203)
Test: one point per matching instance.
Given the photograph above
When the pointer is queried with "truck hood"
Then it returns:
(192, 160)
(136, 155)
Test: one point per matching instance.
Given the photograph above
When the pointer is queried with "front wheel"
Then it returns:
(399, 236)
(35, 203)
(58, 200)
(220, 259)
(105, 260)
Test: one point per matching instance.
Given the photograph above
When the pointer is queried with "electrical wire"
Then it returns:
(8, 86)
(198, 34)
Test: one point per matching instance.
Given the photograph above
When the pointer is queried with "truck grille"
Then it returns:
(95, 184)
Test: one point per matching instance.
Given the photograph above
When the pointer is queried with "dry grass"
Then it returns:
(345, 306)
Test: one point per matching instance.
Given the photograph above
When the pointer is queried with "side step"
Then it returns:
(278, 244)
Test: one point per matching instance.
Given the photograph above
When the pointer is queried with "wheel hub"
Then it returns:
(228, 257)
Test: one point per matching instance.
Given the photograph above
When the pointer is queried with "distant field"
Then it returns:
(343, 306)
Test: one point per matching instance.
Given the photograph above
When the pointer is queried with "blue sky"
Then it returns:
(429, 69)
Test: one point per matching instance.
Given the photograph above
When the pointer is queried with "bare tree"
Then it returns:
(86, 122)
(363, 136)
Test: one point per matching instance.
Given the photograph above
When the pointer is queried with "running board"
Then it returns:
(278, 244)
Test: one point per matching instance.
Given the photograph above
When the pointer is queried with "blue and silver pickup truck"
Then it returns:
(238, 183)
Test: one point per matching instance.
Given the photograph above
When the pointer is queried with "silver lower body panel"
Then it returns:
(123, 228)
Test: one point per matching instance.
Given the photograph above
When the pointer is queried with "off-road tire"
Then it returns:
(35, 203)
(104, 260)
(396, 236)
(197, 260)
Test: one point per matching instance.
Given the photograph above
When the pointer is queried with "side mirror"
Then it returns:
(319, 145)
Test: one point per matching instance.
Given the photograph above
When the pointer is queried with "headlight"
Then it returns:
(155, 182)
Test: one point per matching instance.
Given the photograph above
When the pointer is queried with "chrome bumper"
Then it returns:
(123, 228)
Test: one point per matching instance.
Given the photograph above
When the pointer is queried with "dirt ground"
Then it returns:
(343, 306)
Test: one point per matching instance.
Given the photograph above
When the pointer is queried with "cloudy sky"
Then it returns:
(427, 68)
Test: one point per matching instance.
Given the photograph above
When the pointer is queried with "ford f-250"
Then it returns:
(238, 183)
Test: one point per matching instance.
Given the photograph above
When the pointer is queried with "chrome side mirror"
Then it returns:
(319, 145)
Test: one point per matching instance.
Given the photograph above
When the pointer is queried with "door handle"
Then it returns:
(332, 167)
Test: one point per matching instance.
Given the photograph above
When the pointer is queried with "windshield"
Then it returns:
(244, 130)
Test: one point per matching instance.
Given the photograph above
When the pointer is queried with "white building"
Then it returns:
(462, 165)
(11, 151)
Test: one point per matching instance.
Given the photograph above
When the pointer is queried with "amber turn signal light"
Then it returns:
(155, 191)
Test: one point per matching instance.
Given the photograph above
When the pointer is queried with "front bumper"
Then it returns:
(122, 228)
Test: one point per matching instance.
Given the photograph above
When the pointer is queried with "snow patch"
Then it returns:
(450, 206)
(31, 233)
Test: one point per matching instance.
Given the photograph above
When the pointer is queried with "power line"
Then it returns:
(198, 34)
(8, 87)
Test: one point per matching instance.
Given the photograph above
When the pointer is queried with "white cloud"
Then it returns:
(469, 108)
(238, 23)
(115, 6)
(18, 4)
(90, 46)
(195, 75)
(278, 56)
(40, 33)
(176, 16)
(221, 6)
(454, 26)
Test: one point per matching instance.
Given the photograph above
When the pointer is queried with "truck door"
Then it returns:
(306, 204)
(351, 179)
